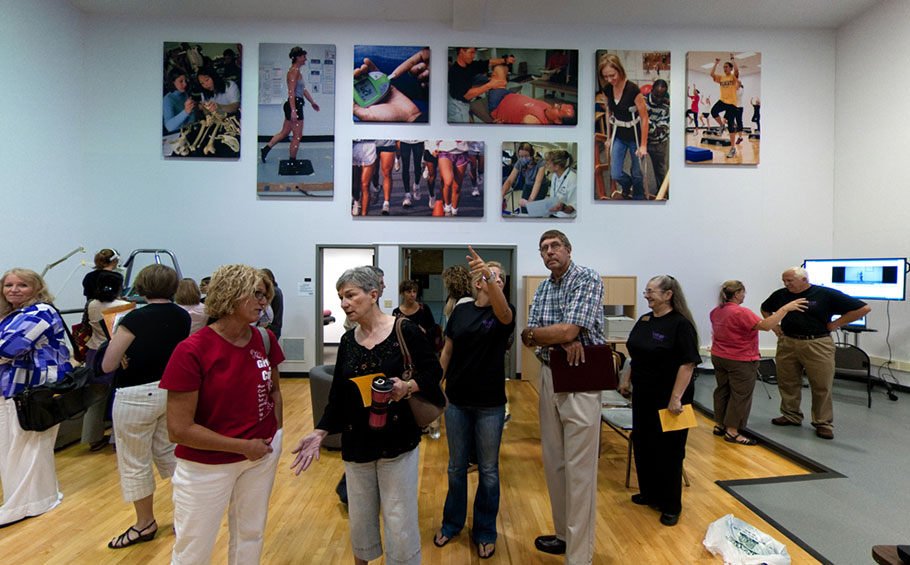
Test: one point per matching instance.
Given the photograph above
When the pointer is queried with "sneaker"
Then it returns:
(454, 211)
(355, 211)
(732, 153)
(448, 209)
(740, 140)
(264, 152)
(432, 201)
(406, 203)
(397, 163)
(385, 208)
(416, 191)
(475, 192)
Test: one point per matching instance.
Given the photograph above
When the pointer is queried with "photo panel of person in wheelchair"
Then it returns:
(296, 126)
(632, 125)
(200, 115)
(539, 179)
(391, 84)
(723, 94)
(494, 85)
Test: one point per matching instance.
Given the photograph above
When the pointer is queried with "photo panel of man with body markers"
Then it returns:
(539, 179)
(632, 126)
(723, 89)
(296, 127)
(201, 104)
(494, 85)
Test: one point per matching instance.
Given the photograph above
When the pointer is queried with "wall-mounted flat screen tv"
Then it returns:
(868, 279)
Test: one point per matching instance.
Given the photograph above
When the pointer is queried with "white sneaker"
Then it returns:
(475, 192)
(355, 211)
(454, 211)
(406, 203)
(732, 153)
(397, 163)
(385, 208)
(416, 191)
(432, 200)
(448, 209)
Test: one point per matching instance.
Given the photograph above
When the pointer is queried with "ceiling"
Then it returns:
(481, 15)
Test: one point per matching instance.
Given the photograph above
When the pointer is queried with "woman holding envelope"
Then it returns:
(663, 346)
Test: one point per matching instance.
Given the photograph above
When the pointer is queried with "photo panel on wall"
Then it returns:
(296, 127)
(391, 84)
(539, 179)
(417, 178)
(495, 85)
(720, 85)
(201, 104)
(632, 126)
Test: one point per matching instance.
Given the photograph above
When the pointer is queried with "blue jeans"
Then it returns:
(470, 427)
(617, 173)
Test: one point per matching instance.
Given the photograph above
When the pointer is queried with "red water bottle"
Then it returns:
(379, 406)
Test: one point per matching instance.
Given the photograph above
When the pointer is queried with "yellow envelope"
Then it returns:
(365, 385)
(670, 422)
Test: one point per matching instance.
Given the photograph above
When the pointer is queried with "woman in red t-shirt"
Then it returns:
(734, 354)
(224, 411)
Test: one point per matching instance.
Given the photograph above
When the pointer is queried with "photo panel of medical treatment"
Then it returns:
(723, 89)
(295, 137)
(539, 179)
(495, 85)
(632, 126)
(391, 84)
(201, 100)
(417, 178)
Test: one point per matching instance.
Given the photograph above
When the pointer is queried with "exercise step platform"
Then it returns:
(295, 167)
(710, 140)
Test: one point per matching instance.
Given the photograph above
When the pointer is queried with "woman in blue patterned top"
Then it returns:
(32, 352)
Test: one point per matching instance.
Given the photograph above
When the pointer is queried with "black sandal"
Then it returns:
(739, 438)
(719, 431)
(482, 550)
(124, 539)
(439, 539)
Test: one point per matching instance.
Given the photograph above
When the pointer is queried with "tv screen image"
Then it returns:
(868, 279)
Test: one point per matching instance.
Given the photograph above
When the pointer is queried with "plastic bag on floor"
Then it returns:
(740, 543)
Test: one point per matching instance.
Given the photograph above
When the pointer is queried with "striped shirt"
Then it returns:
(32, 349)
(574, 298)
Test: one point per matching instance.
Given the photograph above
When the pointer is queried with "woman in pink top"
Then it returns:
(734, 354)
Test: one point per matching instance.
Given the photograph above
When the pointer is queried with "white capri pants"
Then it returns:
(140, 424)
(201, 493)
(26, 467)
(389, 485)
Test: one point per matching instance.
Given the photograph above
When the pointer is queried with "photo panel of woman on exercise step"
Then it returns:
(296, 129)
(632, 125)
(391, 84)
(201, 100)
(723, 107)
(539, 179)
(495, 85)
(417, 177)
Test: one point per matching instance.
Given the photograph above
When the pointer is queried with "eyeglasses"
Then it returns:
(555, 246)
(260, 296)
(649, 292)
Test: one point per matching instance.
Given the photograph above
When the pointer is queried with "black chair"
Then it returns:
(851, 361)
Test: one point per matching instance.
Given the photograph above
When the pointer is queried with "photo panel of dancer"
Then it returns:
(632, 126)
(296, 127)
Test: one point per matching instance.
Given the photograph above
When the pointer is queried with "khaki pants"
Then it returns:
(816, 357)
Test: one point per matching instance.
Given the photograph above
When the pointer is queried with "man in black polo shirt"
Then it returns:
(804, 343)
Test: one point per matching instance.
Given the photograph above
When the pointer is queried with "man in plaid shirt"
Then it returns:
(567, 312)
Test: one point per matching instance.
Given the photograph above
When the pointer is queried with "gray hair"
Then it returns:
(364, 278)
(379, 272)
(677, 299)
(798, 272)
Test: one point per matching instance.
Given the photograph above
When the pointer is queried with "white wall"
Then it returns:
(872, 187)
(720, 222)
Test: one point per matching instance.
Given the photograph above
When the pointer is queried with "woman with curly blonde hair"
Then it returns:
(224, 410)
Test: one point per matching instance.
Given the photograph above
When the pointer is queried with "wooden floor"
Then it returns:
(307, 523)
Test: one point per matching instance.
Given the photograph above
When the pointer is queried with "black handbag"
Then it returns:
(42, 407)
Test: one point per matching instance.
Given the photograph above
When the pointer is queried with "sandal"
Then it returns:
(719, 431)
(486, 550)
(739, 438)
(440, 540)
(124, 539)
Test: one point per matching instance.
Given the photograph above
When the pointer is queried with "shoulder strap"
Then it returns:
(405, 354)
(266, 340)
(66, 328)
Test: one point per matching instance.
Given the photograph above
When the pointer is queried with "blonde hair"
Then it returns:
(609, 60)
(728, 289)
(559, 158)
(232, 283)
(478, 275)
(40, 292)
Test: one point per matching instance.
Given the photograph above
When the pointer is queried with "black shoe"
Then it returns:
(550, 544)
(669, 519)
(264, 151)
(640, 500)
(342, 489)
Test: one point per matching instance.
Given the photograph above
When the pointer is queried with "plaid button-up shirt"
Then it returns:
(574, 298)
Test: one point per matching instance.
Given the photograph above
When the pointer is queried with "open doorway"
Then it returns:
(426, 263)
(331, 262)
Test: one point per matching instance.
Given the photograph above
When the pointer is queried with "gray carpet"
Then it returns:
(861, 494)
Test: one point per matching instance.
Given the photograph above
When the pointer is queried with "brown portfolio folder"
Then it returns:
(596, 373)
